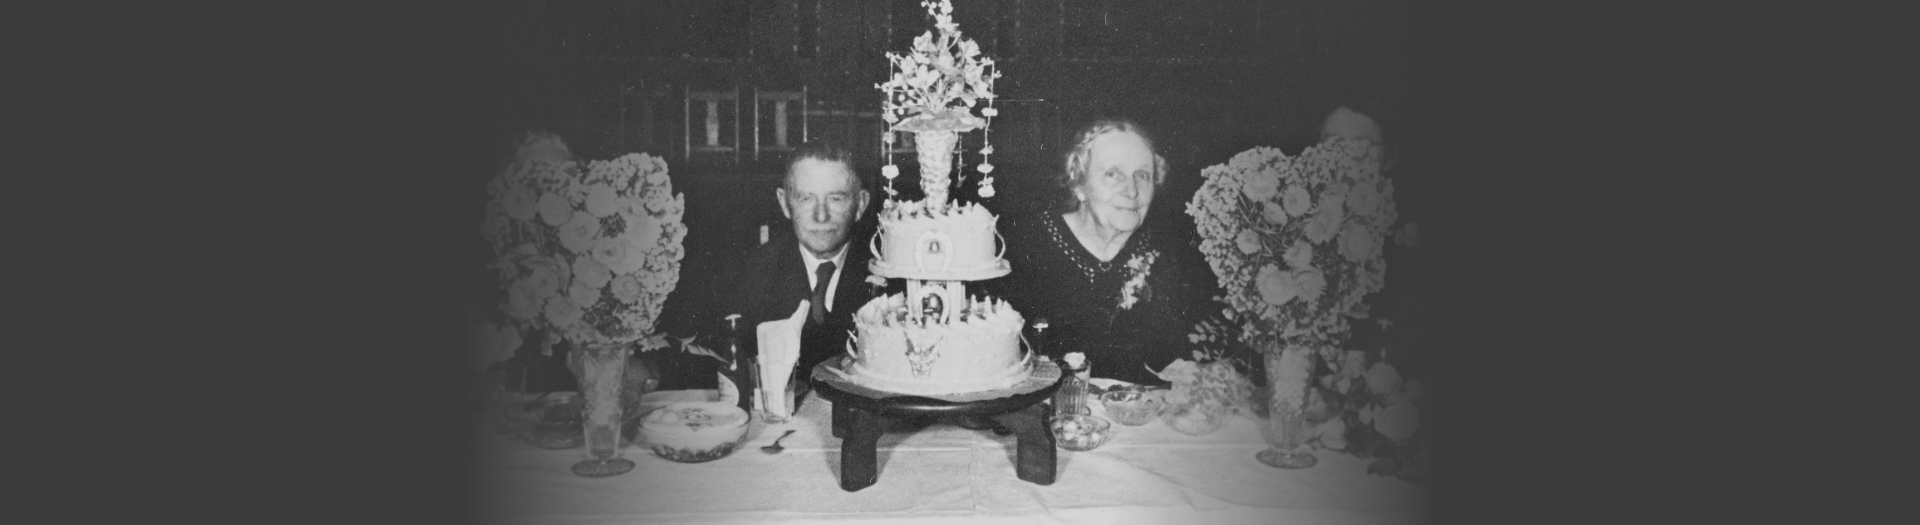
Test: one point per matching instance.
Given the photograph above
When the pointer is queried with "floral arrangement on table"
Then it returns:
(931, 93)
(1297, 244)
(1371, 410)
(587, 255)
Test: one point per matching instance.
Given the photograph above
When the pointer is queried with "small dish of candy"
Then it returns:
(1081, 432)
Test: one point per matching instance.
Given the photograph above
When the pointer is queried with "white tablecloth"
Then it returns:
(944, 474)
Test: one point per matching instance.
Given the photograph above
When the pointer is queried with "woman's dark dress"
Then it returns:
(1056, 278)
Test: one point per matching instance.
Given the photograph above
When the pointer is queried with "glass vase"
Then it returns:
(601, 370)
(1289, 371)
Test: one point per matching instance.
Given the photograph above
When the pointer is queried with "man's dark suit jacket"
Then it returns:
(771, 282)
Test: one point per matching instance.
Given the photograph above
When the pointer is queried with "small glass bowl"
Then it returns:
(1081, 433)
(1130, 407)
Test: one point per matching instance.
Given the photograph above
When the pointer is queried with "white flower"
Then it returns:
(1353, 363)
(519, 203)
(555, 210)
(1296, 201)
(659, 177)
(987, 191)
(676, 209)
(1273, 212)
(1262, 185)
(1310, 282)
(1332, 434)
(1357, 243)
(1326, 221)
(589, 271)
(1075, 359)
(655, 282)
(583, 295)
(1398, 421)
(679, 233)
(579, 234)
(1275, 287)
(1248, 241)
(602, 201)
(544, 274)
(990, 112)
(986, 168)
(889, 171)
(562, 314)
(1382, 379)
(642, 231)
(628, 288)
(617, 256)
(1300, 255)
(523, 303)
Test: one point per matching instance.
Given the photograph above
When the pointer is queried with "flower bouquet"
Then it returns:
(1297, 244)
(587, 254)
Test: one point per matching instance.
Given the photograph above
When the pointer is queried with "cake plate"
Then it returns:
(861, 415)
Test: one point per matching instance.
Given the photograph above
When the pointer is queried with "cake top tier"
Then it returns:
(938, 243)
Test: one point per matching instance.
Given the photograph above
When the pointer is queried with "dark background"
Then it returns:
(331, 154)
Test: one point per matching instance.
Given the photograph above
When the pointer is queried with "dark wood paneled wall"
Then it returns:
(1210, 78)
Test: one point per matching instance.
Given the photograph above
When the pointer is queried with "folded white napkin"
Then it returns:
(779, 352)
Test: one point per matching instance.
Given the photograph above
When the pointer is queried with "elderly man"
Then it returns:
(819, 261)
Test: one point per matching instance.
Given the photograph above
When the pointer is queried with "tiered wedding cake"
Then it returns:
(935, 339)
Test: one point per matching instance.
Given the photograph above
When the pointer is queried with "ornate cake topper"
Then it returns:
(931, 94)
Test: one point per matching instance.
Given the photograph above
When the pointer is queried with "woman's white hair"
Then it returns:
(1080, 159)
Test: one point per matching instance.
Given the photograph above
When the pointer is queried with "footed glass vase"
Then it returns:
(601, 370)
(1288, 372)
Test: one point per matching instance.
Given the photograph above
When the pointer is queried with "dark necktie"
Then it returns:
(819, 309)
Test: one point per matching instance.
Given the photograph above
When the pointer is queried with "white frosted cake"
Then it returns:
(934, 339)
(978, 350)
(951, 243)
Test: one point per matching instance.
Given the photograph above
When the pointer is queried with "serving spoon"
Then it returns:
(775, 448)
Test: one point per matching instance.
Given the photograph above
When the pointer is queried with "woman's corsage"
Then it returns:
(1136, 287)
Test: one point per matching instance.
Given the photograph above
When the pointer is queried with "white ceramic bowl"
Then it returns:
(693, 432)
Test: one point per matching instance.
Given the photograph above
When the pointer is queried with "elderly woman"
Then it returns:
(1108, 284)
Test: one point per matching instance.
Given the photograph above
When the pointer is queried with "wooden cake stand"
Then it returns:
(861, 416)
